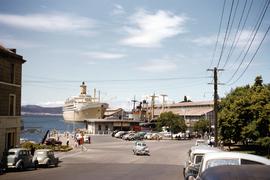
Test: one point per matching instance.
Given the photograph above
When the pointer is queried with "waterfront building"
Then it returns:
(10, 98)
(190, 111)
(106, 126)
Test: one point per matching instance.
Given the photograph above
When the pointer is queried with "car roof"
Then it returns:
(17, 149)
(235, 155)
(43, 150)
(233, 172)
(204, 150)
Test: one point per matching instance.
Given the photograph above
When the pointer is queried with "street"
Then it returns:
(109, 158)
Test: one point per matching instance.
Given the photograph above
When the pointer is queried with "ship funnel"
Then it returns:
(83, 88)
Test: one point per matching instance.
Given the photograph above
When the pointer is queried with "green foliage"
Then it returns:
(245, 113)
(62, 148)
(174, 122)
(201, 126)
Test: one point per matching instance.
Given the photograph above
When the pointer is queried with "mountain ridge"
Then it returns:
(40, 110)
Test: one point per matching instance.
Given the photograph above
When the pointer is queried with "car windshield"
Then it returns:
(220, 162)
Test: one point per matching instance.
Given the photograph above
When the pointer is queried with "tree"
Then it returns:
(201, 126)
(174, 122)
(245, 114)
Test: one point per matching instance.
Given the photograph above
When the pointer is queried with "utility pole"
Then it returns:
(215, 70)
(163, 101)
(134, 101)
(153, 105)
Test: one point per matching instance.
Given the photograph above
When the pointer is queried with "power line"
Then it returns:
(256, 28)
(116, 80)
(252, 56)
(225, 37)
(215, 49)
(236, 33)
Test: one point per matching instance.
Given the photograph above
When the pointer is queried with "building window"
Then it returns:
(12, 105)
(12, 73)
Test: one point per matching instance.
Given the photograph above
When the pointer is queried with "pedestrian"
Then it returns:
(67, 141)
(32, 150)
(89, 139)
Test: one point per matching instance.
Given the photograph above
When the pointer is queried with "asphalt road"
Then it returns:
(109, 158)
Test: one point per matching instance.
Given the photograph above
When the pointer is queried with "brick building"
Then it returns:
(10, 98)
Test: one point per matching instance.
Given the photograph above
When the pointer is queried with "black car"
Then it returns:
(53, 141)
(247, 172)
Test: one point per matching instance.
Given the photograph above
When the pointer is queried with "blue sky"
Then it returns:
(130, 48)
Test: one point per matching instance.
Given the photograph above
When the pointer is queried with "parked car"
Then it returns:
(120, 134)
(128, 136)
(200, 142)
(147, 135)
(140, 148)
(114, 132)
(53, 141)
(45, 157)
(196, 154)
(155, 136)
(20, 158)
(139, 136)
(230, 158)
(236, 172)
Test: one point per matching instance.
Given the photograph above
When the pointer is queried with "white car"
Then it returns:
(196, 154)
(230, 158)
(140, 148)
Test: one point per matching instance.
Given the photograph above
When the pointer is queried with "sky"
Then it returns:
(135, 48)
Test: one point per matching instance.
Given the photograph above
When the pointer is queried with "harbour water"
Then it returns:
(35, 127)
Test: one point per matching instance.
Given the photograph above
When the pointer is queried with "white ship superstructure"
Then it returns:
(84, 107)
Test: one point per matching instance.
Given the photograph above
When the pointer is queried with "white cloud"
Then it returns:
(118, 10)
(11, 42)
(150, 29)
(104, 55)
(52, 104)
(244, 38)
(48, 22)
(159, 66)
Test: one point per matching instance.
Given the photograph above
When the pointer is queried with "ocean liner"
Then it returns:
(84, 107)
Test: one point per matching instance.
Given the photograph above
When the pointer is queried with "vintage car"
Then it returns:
(140, 148)
(20, 158)
(45, 157)
(236, 172)
(230, 158)
(196, 154)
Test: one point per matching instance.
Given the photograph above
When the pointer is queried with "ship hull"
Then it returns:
(81, 115)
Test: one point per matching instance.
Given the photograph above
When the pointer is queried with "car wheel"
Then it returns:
(35, 164)
(20, 167)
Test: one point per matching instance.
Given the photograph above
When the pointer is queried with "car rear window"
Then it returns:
(11, 153)
(40, 152)
(220, 162)
(246, 161)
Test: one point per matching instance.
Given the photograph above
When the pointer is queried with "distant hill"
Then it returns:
(39, 110)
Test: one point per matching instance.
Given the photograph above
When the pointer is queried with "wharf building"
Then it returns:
(10, 98)
(191, 112)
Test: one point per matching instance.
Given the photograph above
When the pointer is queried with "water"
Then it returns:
(35, 127)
